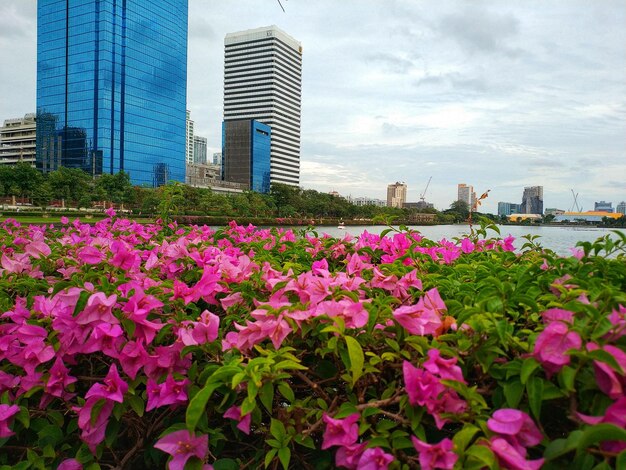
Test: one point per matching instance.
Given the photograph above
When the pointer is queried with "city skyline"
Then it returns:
(501, 95)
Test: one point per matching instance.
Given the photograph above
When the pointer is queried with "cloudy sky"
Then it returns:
(497, 94)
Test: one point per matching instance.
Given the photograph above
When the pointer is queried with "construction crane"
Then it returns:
(423, 195)
(575, 205)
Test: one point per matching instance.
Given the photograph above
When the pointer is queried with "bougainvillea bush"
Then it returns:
(147, 346)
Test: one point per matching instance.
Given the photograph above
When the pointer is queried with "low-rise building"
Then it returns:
(18, 140)
(589, 216)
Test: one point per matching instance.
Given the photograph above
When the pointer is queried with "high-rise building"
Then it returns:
(217, 158)
(199, 150)
(532, 200)
(246, 153)
(396, 195)
(621, 208)
(508, 208)
(263, 81)
(189, 146)
(466, 194)
(17, 140)
(603, 206)
(111, 87)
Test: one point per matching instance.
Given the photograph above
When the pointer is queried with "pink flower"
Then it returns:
(113, 388)
(610, 382)
(444, 368)
(99, 308)
(374, 459)
(234, 412)
(417, 319)
(516, 427)
(169, 392)
(182, 446)
(510, 458)
(614, 414)
(552, 345)
(433, 456)
(618, 320)
(340, 432)
(467, 246)
(557, 314)
(90, 255)
(348, 456)
(6, 413)
(421, 385)
(59, 379)
(93, 428)
(70, 464)
(202, 332)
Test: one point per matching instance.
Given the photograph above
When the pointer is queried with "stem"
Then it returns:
(316, 388)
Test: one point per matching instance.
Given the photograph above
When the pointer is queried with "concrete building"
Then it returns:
(420, 205)
(199, 150)
(553, 211)
(508, 208)
(396, 195)
(466, 194)
(366, 201)
(589, 216)
(18, 140)
(532, 200)
(217, 159)
(621, 208)
(112, 87)
(189, 140)
(246, 153)
(263, 81)
(603, 206)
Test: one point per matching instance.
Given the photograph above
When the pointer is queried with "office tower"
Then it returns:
(247, 149)
(621, 208)
(263, 81)
(508, 208)
(111, 87)
(603, 206)
(396, 195)
(199, 150)
(532, 200)
(466, 194)
(189, 149)
(17, 140)
(217, 158)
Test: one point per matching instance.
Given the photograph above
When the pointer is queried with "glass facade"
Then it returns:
(246, 149)
(111, 87)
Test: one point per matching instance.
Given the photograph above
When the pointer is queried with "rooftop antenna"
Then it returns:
(281, 6)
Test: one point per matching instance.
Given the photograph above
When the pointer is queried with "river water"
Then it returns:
(559, 239)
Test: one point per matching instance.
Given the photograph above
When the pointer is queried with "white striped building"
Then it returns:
(263, 81)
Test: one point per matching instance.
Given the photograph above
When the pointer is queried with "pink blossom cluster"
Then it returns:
(514, 431)
(424, 387)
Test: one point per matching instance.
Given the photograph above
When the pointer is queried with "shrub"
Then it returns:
(131, 346)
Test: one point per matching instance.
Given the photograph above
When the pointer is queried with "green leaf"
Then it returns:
(284, 455)
(479, 456)
(225, 464)
(355, 352)
(604, 356)
(81, 302)
(270, 456)
(197, 405)
(620, 462)
(560, 447)
(266, 394)
(513, 392)
(50, 435)
(286, 391)
(463, 438)
(137, 404)
(600, 433)
(277, 429)
(528, 367)
(306, 441)
(534, 387)
(567, 376)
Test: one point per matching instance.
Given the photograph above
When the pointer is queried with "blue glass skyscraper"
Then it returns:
(111, 87)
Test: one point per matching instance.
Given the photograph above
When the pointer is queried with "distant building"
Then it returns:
(532, 200)
(589, 216)
(112, 87)
(334, 194)
(603, 206)
(199, 150)
(418, 205)
(367, 201)
(217, 159)
(396, 195)
(621, 208)
(189, 144)
(263, 81)
(246, 148)
(508, 208)
(18, 140)
(466, 194)
(553, 211)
